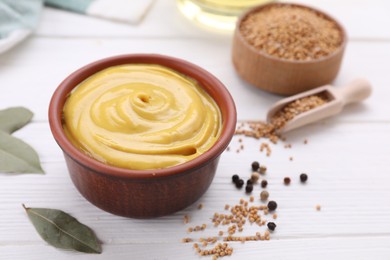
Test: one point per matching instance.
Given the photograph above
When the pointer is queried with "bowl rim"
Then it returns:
(257, 8)
(225, 103)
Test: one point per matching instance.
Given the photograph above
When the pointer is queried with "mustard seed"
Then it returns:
(303, 177)
(186, 219)
(255, 166)
(240, 183)
(264, 183)
(264, 195)
(271, 226)
(255, 177)
(263, 169)
(291, 33)
(272, 205)
(235, 178)
(287, 181)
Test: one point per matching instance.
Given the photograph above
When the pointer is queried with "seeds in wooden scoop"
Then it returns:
(297, 107)
(269, 130)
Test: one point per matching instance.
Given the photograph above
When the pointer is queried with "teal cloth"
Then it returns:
(18, 18)
(18, 14)
(79, 6)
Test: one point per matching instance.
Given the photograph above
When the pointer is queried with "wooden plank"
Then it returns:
(347, 166)
(366, 142)
(346, 157)
(362, 19)
(31, 72)
(318, 248)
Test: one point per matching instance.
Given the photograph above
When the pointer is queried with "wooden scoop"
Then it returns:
(355, 91)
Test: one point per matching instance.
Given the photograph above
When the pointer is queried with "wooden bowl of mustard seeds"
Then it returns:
(287, 48)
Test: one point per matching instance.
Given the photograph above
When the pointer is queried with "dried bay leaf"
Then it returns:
(15, 155)
(14, 118)
(61, 230)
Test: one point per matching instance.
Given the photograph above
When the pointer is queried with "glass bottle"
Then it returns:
(219, 14)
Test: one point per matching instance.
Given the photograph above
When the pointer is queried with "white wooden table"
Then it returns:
(347, 157)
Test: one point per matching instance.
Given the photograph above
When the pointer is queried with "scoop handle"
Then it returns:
(357, 90)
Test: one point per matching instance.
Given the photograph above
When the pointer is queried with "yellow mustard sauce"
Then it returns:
(141, 116)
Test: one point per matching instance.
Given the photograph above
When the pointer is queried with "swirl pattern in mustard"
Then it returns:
(141, 116)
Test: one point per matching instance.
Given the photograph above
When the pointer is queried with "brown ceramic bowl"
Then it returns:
(282, 76)
(143, 193)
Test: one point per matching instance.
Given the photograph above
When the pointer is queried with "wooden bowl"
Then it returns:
(282, 76)
(143, 193)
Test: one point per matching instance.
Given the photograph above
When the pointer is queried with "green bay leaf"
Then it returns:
(61, 230)
(16, 156)
(14, 118)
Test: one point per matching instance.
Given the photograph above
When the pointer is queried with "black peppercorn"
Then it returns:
(264, 183)
(303, 177)
(255, 165)
(240, 183)
(287, 180)
(249, 182)
(272, 205)
(271, 226)
(235, 178)
(249, 188)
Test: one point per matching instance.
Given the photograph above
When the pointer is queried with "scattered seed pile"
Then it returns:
(269, 130)
(234, 218)
(291, 32)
